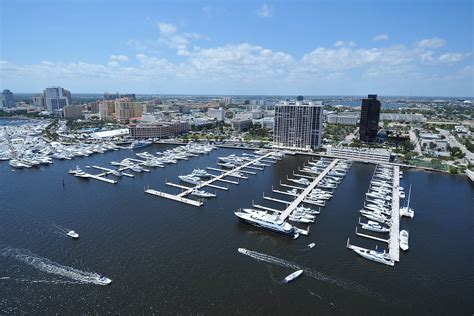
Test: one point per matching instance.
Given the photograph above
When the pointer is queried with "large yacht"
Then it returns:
(189, 179)
(267, 221)
(374, 255)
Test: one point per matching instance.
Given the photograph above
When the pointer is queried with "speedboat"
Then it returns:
(311, 245)
(72, 234)
(103, 280)
(293, 276)
(404, 240)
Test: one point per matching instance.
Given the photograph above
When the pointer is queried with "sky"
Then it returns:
(329, 47)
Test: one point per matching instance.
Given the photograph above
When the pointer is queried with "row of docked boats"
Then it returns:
(303, 213)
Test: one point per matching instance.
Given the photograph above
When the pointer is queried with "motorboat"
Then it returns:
(139, 144)
(103, 280)
(189, 179)
(401, 194)
(302, 181)
(201, 173)
(293, 276)
(267, 221)
(311, 245)
(202, 193)
(374, 226)
(72, 234)
(404, 240)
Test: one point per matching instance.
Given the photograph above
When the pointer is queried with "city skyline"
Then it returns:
(352, 48)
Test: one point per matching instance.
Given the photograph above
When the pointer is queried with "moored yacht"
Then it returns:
(202, 193)
(266, 221)
(374, 226)
(404, 240)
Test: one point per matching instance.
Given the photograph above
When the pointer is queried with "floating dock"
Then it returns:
(394, 245)
(174, 197)
(283, 216)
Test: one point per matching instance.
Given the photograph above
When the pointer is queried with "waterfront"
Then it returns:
(165, 256)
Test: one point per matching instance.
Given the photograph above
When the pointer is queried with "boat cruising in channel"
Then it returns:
(293, 276)
(267, 221)
(103, 280)
(72, 234)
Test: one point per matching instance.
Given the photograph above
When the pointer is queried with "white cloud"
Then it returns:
(432, 43)
(452, 57)
(265, 11)
(380, 37)
(118, 58)
(342, 44)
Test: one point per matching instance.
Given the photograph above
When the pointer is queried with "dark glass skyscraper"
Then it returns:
(369, 118)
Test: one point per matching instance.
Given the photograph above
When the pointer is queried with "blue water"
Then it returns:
(165, 257)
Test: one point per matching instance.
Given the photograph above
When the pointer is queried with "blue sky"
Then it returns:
(329, 47)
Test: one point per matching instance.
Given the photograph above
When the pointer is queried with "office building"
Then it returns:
(369, 118)
(298, 125)
(158, 129)
(56, 98)
(72, 111)
(7, 99)
(126, 109)
(218, 114)
(38, 101)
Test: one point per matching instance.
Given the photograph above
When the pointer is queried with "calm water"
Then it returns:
(172, 258)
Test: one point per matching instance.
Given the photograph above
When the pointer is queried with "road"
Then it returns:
(453, 142)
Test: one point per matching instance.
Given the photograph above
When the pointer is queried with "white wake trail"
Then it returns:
(48, 266)
(348, 285)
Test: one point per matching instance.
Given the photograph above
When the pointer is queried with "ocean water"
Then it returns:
(166, 257)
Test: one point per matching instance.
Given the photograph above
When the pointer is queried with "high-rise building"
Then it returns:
(111, 96)
(126, 109)
(72, 111)
(56, 98)
(38, 101)
(298, 125)
(369, 118)
(7, 100)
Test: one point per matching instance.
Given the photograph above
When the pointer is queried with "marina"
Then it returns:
(159, 230)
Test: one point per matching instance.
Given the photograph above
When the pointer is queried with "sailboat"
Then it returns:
(406, 210)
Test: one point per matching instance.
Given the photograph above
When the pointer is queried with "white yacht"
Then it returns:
(374, 255)
(404, 240)
(311, 245)
(202, 193)
(201, 173)
(72, 234)
(302, 181)
(18, 164)
(189, 179)
(374, 226)
(293, 276)
(407, 210)
(267, 221)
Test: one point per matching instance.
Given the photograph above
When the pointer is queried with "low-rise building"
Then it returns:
(347, 119)
(157, 129)
(359, 154)
(400, 117)
(241, 124)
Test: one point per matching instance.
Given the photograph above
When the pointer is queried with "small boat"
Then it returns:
(103, 280)
(404, 240)
(374, 226)
(202, 193)
(311, 245)
(293, 276)
(72, 234)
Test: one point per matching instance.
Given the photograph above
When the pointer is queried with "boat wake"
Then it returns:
(348, 285)
(48, 266)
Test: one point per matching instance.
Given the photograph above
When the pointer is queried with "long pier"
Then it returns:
(394, 245)
(209, 183)
(306, 191)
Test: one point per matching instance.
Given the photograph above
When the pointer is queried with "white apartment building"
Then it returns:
(218, 114)
(298, 125)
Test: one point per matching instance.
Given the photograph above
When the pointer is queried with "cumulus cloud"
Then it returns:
(118, 58)
(380, 37)
(265, 11)
(432, 43)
